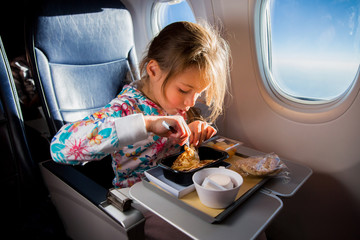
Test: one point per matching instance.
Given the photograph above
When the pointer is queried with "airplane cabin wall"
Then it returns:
(329, 203)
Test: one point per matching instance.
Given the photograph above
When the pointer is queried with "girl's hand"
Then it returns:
(182, 134)
(200, 131)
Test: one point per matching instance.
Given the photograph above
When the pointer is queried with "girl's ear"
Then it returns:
(153, 70)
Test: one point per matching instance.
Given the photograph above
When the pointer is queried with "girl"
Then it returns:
(184, 61)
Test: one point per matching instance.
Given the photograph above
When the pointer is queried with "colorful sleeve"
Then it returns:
(91, 138)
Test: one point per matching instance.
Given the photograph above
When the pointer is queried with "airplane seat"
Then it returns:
(82, 53)
(23, 190)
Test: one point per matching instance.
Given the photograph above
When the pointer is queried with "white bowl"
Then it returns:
(216, 198)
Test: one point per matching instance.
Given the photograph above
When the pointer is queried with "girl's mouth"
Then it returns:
(181, 112)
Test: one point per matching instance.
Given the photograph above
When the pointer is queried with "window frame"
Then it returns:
(293, 108)
(156, 9)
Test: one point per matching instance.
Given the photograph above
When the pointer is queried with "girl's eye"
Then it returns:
(183, 91)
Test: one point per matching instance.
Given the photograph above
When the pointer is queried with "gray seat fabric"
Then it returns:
(83, 53)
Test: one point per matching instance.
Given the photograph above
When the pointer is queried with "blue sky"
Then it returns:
(177, 12)
(315, 45)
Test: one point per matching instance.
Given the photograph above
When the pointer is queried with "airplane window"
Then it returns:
(311, 49)
(165, 12)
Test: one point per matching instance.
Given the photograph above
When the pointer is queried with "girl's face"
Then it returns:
(181, 91)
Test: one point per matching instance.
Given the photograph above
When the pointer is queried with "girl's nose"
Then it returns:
(191, 100)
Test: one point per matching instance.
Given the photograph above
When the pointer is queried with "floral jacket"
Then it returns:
(95, 137)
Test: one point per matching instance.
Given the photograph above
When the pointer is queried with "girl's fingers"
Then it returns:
(211, 132)
(183, 131)
(196, 132)
(201, 132)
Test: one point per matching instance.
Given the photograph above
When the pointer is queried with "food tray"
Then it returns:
(191, 201)
(185, 178)
(156, 176)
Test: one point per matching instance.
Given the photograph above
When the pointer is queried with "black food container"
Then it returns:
(185, 177)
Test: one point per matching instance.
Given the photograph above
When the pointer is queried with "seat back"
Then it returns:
(82, 53)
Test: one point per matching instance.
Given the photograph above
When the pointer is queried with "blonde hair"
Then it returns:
(181, 45)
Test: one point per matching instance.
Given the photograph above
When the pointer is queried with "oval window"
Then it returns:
(165, 12)
(311, 49)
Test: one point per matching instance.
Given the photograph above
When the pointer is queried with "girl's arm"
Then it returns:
(109, 130)
(98, 135)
